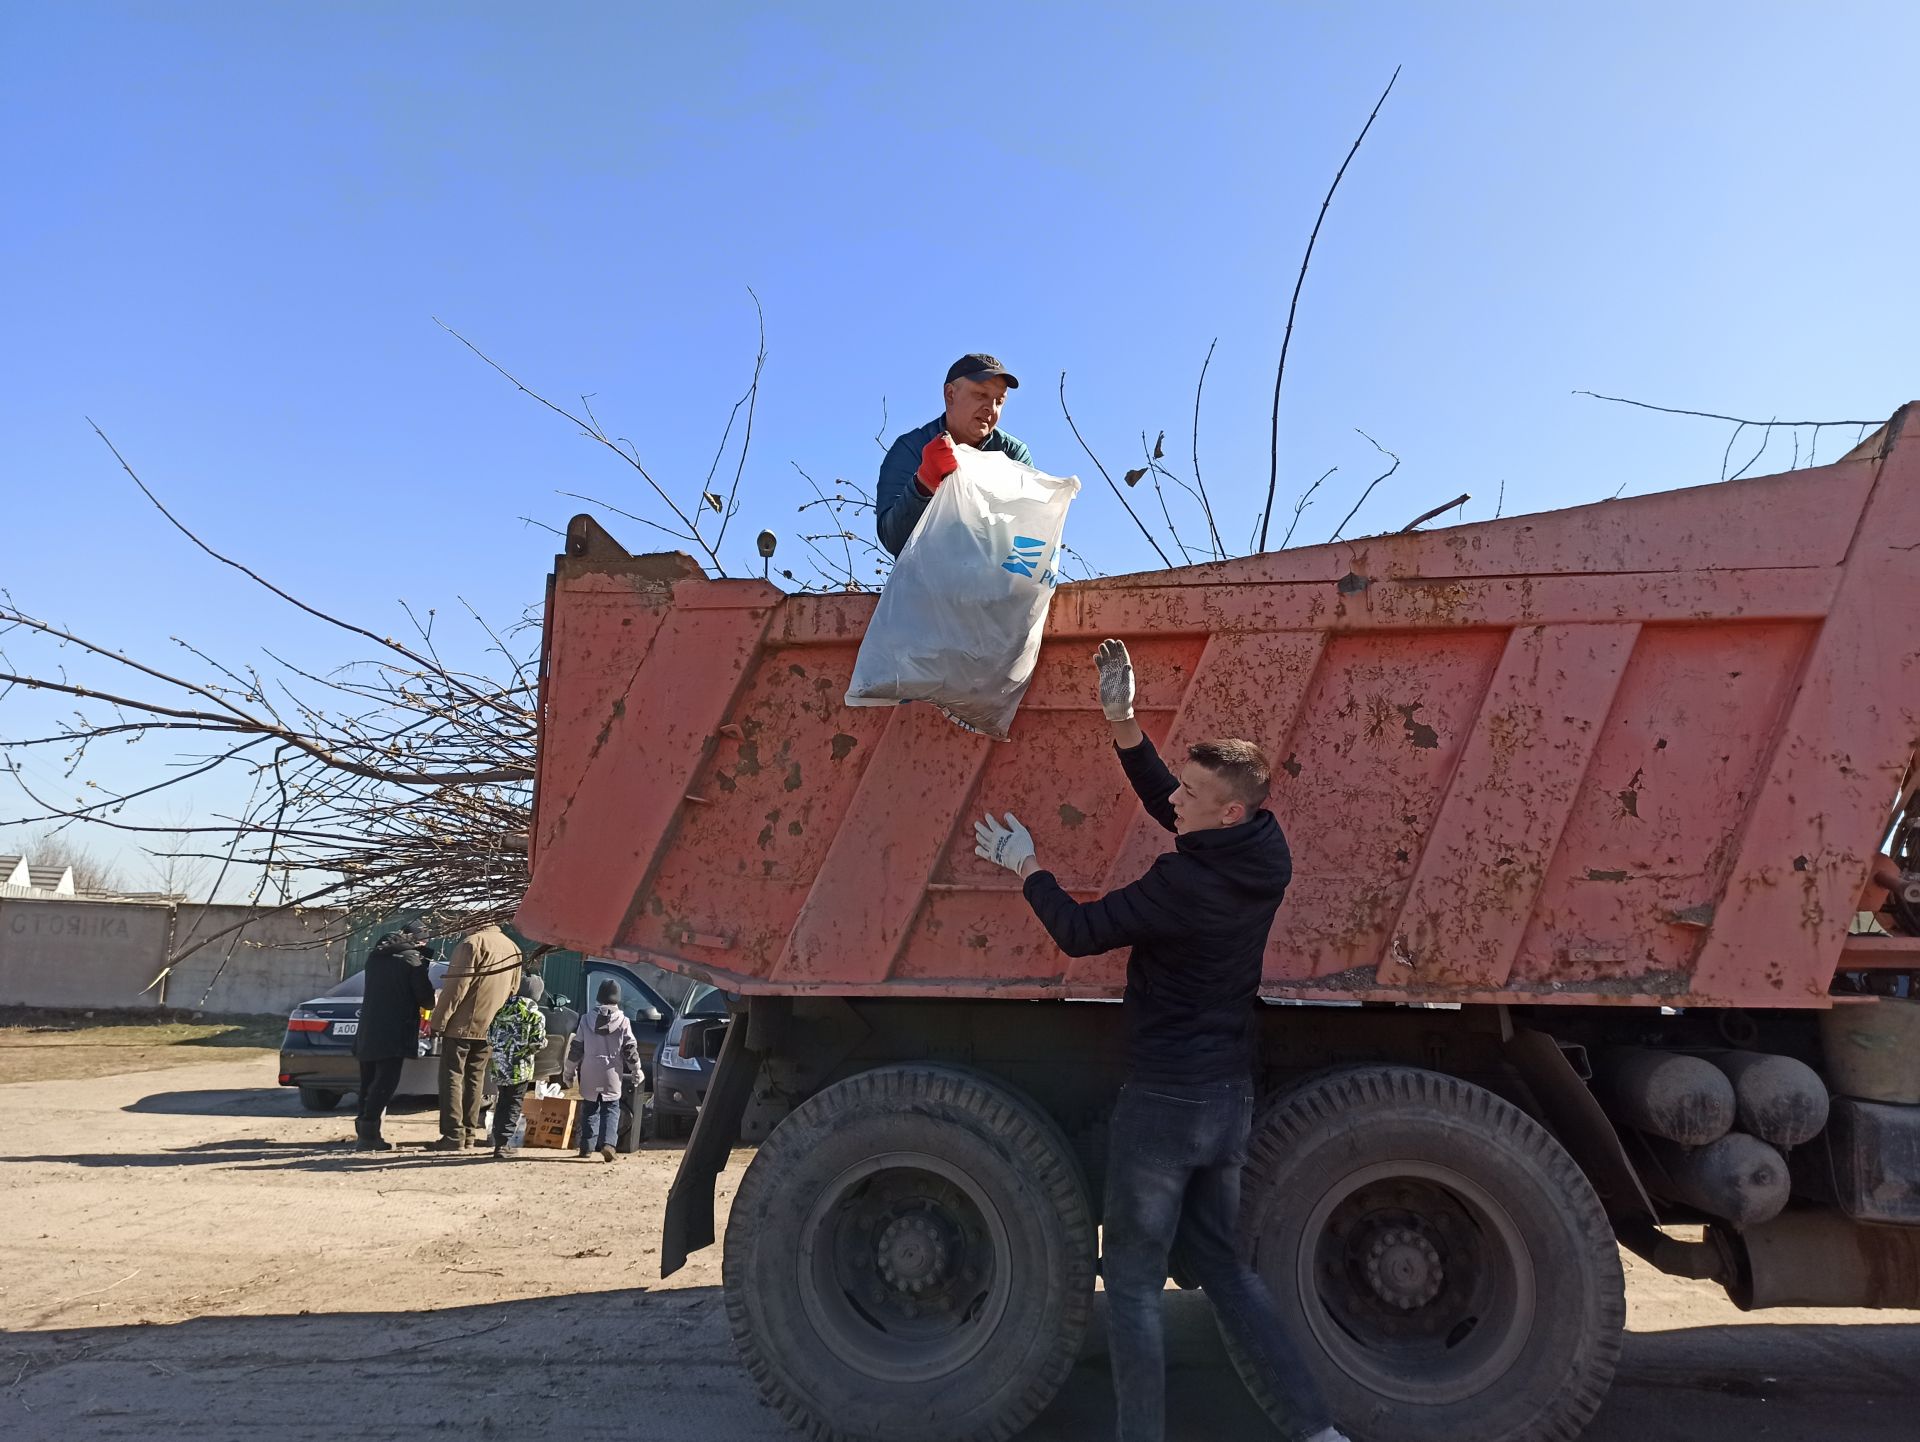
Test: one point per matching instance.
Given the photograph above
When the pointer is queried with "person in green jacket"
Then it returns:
(518, 1032)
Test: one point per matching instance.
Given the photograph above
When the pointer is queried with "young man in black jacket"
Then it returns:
(1198, 924)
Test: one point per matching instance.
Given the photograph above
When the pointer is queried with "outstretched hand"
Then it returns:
(1010, 846)
(1116, 680)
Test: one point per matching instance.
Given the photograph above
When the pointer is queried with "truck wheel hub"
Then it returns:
(911, 1254)
(1404, 1269)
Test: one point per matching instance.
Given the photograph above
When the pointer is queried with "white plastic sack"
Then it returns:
(960, 619)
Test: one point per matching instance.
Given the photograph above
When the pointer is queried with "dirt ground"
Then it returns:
(185, 1253)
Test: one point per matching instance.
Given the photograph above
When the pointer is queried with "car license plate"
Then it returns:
(346, 1028)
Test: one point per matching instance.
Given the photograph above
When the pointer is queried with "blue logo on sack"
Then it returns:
(1025, 557)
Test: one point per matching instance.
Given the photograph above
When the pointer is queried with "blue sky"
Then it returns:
(231, 225)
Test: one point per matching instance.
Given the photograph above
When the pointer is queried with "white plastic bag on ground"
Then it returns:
(960, 619)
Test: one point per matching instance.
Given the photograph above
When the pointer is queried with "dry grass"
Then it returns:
(38, 1044)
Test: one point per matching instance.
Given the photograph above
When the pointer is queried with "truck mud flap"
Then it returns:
(689, 1220)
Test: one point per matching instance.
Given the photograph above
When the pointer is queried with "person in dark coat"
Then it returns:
(398, 989)
(1197, 923)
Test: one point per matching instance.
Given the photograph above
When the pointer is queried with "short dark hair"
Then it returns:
(1241, 764)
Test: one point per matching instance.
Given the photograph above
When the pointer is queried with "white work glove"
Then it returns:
(1010, 846)
(1116, 680)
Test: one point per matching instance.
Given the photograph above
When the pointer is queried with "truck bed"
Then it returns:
(1635, 752)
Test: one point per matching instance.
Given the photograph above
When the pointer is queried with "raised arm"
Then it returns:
(1152, 782)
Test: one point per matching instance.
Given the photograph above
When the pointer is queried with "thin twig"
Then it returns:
(851, 582)
(246, 571)
(1205, 503)
(1370, 484)
(1273, 472)
(592, 431)
(1725, 457)
(746, 440)
(1107, 478)
(1713, 416)
(1766, 439)
(96, 1291)
(1153, 470)
(1300, 505)
(609, 506)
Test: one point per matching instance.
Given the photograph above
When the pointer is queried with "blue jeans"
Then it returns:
(1173, 1179)
(599, 1123)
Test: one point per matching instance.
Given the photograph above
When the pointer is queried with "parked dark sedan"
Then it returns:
(316, 1054)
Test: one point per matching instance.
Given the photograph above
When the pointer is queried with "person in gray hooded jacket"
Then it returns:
(602, 1054)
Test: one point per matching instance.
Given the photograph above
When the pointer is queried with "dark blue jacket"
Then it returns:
(1198, 924)
(898, 500)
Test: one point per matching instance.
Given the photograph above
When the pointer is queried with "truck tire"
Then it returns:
(910, 1256)
(1442, 1267)
(319, 1099)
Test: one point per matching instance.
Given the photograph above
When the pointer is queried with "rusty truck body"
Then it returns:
(1599, 929)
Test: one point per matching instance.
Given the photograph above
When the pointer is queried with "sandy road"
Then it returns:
(186, 1254)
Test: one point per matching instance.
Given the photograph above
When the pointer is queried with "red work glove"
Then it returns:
(937, 462)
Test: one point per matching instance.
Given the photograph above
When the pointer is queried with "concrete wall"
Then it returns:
(107, 953)
(81, 953)
(270, 965)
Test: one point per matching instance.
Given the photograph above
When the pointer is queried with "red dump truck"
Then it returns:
(1601, 933)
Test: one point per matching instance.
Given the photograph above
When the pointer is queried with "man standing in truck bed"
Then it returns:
(1197, 923)
(919, 461)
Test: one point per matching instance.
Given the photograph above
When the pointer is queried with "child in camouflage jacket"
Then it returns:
(518, 1032)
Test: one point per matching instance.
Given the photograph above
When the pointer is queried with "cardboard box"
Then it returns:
(550, 1121)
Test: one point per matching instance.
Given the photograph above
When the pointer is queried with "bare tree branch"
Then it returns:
(1306, 499)
(1370, 484)
(752, 399)
(1713, 416)
(1205, 504)
(1107, 478)
(1280, 374)
(591, 429)
(1154, 472)
(1425, 516)
(846, 538)
(1766, 439)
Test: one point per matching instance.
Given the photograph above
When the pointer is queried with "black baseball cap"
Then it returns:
(980, 368)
